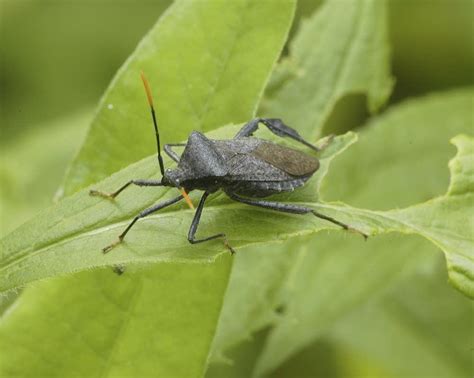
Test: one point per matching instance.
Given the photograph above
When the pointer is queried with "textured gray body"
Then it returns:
(244, 165)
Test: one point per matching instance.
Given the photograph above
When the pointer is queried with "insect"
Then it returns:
(247, 169)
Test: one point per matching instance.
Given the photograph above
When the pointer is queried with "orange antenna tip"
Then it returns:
(147, 89)
(186, 198)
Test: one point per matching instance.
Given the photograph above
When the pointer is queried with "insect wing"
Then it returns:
(291, 161)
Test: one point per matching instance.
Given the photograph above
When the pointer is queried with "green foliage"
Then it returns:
(110, 323)
(320, 280)
(327, 294)
(348, 56)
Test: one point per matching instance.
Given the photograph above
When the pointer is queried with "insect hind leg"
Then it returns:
(293, 209)
(195, 224)
(277, 127)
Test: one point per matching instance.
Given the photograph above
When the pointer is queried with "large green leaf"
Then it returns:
(445, 220)
(207, 62)
(341, 49)
(418, 154)
(101, 324)
(69, 236)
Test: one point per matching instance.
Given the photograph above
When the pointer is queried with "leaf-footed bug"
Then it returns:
(245, 168)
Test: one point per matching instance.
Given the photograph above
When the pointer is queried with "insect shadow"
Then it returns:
(245, 168)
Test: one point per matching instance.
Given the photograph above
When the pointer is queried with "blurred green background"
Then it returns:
(57, 58)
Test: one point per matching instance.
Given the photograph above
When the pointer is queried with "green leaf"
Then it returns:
(317, 293)
(101, 324)
(419, 328)
(69, 236)
(207, 63)
(400, 159)
(416, 154)
(252, 296)
(444, 220)
(447, 221)
(343, 48)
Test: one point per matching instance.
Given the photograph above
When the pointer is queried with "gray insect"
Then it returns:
(245, 168)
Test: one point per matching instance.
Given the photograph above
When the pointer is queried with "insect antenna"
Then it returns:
(158, 146)
(150, 102)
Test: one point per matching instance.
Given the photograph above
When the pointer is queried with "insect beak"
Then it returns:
(170, 179)
(174, 182)
(186, 198)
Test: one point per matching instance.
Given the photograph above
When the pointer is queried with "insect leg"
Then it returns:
(290, 208)
(195, 224)
(169, 151)
(276, 126)
(112, 195)
(142, 214)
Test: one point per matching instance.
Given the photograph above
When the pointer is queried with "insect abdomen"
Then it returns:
(265, 188)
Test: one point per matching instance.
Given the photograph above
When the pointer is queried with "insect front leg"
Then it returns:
(290, 208)
(169, 150)
(195, 224)
(277, 127)
(142, 214)
(112, 195)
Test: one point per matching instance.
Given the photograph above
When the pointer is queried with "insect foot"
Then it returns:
(97, 193)
(343, 225)
(327, 142)
(113, 245)
(118, 269)
(351, 229)
(232, 250)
